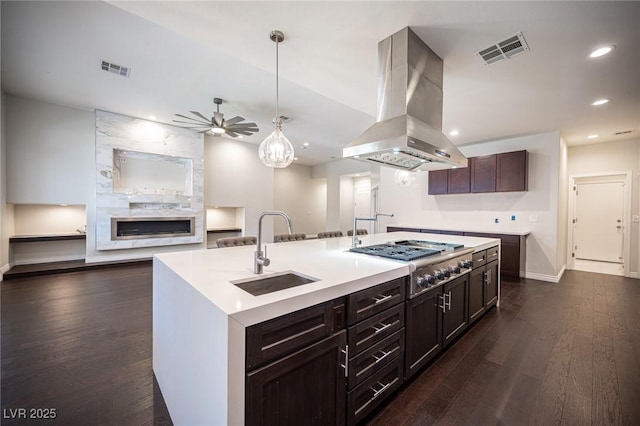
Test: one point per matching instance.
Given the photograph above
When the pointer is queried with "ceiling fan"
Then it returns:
(217, 124)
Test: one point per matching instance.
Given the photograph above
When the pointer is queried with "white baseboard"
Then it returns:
(633, 275)
(544, 277)
(4, 269)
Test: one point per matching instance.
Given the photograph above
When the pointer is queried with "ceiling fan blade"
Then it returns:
(199, 115)
(234, 120)
(232, 134)
(218, 118)
(243, 132)
(243, 126)
(193, 119)
(204, 131)
(192, 123)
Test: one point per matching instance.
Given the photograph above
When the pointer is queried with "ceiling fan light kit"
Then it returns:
(276, 150)
(217, 124)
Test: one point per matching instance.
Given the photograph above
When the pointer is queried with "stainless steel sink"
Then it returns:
(274, 282)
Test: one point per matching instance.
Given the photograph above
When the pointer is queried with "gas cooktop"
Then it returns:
(407, 250)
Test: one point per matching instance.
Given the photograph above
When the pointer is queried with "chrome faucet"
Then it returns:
(260, 258)
(356, 241)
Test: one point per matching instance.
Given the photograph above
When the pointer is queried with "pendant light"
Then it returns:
(276, 150)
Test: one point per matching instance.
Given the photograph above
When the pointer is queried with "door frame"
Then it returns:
(625, 178)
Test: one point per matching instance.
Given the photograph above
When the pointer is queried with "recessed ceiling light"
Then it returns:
(153, 117)
(600, 102)
(592, 136)
(356, 156)
(601, 51)
(454, 133)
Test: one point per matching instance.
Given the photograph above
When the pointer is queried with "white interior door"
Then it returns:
(598, 233)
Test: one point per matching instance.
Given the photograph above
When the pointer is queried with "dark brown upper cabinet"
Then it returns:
(502, 172)
(483, 173)
(512, 171)
(439, 182)
(459, 181)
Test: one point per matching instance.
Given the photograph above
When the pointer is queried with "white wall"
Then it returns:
(38, 219)
(412, 205)
(50, 152)
(235, 177)
(612, 157)
(563, 205)
(6, 225)
(338, 215)
(303, 198)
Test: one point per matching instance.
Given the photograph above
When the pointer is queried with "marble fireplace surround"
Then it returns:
(147, 172)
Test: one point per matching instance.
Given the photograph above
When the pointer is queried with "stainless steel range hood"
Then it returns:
(408, 132)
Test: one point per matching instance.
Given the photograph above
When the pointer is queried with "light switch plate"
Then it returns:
(635, 218)
(533, 218)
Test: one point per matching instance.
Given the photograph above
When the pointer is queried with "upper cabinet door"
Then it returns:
(483, 173)
(438, 181)
(512, 171)
(459, 181)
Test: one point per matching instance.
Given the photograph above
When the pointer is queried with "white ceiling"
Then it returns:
(182, 54)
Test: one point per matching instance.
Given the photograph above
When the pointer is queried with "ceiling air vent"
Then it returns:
(504, 49)
(116, 69)
(624, 132)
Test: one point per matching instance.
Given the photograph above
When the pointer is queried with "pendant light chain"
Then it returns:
(277, 87)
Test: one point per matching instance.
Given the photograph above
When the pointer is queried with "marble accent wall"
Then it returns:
(119, 133)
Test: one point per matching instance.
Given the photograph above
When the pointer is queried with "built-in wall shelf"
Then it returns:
(40, 238)
(223, 230)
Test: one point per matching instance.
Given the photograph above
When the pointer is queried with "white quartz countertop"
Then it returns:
(338, 272)
(483, 230)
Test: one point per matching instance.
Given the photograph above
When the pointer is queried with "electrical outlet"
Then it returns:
(635, 218)
(533, 218)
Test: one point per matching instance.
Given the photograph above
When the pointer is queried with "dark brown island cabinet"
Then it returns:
(434, 319)
(335, 363)
(483, 283)
(502, 172)
(296, 367)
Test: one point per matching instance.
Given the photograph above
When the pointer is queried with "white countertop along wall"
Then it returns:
(200, 317)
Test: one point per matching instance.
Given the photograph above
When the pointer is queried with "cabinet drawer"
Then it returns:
(374, 329)
(368, 302)
(363, 399)
(492, 254)
(479, 258)
(377, 356)
(280, 336)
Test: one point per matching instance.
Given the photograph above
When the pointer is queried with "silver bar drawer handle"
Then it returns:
(383, 298)
(444, 305)
(384, 355)
(345, 351)
(381, 329)
(448, 304)
(382, 389)
(488, 280)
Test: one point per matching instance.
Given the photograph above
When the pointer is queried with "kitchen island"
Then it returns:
(200, 318)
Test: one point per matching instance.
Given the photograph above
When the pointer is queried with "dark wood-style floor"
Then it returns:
(564, 353)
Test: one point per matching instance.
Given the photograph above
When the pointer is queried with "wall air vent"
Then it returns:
(623, 132)
(116, 69)
(504, 50)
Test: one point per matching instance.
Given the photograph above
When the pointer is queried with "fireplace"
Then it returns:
(133, 228)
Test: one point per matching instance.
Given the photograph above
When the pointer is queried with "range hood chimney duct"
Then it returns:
(408, 132)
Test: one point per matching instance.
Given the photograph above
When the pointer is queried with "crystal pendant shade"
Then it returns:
(276, 150)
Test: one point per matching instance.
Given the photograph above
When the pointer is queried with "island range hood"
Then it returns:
(408, 132)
